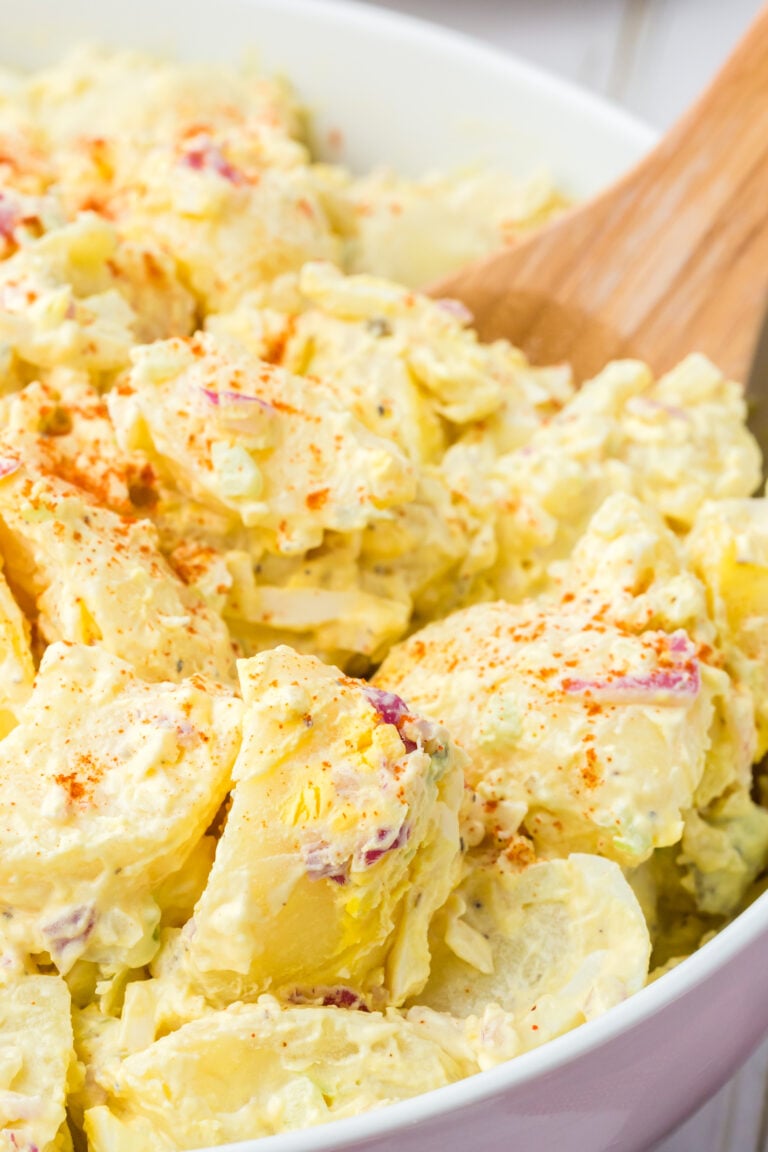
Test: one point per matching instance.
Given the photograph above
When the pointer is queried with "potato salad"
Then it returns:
(374, 705)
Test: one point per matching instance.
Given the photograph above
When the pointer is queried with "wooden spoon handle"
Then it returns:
(696, 259)
(673, 258)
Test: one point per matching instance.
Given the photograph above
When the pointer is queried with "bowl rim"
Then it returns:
(366, 13)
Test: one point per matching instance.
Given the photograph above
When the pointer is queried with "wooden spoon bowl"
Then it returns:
(671, 259)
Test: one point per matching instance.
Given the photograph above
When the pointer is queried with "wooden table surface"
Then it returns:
(652, 56)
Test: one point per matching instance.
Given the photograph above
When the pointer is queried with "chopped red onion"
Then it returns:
(682, 681)
(373, 855)
(342, 997)
(456, 309)
(187, 736)
(639, 689)
(681, 644)
(25, 1147)
(73, 927)
(8, 465)
(9, 218)
(206, 156)
(321, 866)
(336, 996)
(392, 710)
(670, 409)
(219, 399)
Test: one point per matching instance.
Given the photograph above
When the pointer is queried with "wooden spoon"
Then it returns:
(671, 259)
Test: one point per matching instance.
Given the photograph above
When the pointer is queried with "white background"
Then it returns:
(653, 56)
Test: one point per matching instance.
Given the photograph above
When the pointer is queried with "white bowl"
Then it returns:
(415, 97)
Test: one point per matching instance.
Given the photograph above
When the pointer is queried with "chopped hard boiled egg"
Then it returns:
(275, 450)
(37, 1063)
(524, 956)
(107, 784)
(90, 576)
(341, 842)
(258, 1069)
